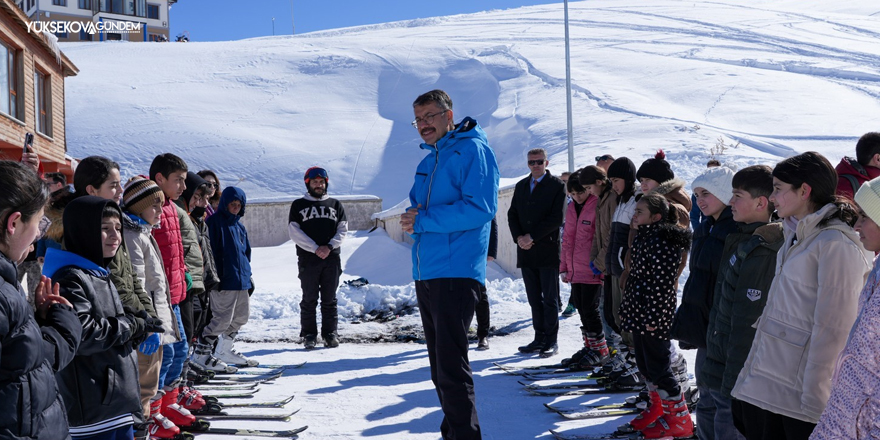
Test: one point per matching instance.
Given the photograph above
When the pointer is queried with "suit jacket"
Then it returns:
(538, 213)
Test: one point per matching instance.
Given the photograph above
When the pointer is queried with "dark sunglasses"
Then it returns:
(601, 158)
(536, 162)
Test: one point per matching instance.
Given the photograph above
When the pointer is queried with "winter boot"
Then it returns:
(226, 352)
(189, 398)
(576, 358)
(648, 415)
(676, 421)
(179, 415)
(159, 427)
(310, 341)
(204, 360)
(680, 371)
(331, 340)
(598, 355)
(569, 311)
(631, 379)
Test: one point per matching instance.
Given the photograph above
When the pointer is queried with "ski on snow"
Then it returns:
(287, 433)
(238, 380)
(572, 384)
(237, 386)
(598, 389)
(597, 411)
(613, 436)
(539, 370)
(277, 404)
(239, 394)
(225, 416)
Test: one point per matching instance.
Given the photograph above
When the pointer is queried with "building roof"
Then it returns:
(67, 66)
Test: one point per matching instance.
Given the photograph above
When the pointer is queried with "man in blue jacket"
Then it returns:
(454, 198)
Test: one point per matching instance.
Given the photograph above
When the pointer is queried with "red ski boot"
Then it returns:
(178, 414)
(648, 415)
(159, 427)
(189, 398)
(676, 421)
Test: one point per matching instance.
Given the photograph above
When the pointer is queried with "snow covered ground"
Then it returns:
(766, 79)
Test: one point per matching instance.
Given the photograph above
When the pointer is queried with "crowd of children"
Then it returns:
(132, 274)
(785, 345)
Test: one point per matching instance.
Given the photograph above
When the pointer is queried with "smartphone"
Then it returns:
(28, 142)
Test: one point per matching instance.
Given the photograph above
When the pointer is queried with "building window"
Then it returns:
(43, 103)
(85, 4)
(152, 11)
(59, 2)
(84, 36)
(30, 4)
(10, 81)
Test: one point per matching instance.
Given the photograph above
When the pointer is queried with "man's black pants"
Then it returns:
(319, 278)
(542, 290)
(447, 309)
(483, 313)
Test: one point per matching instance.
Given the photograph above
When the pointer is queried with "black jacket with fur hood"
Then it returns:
(648, 305)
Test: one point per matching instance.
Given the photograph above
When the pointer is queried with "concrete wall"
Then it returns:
(506, 246)
(266, 220)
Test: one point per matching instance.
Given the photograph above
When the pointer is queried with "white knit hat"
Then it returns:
(868, 198)
(718, 181)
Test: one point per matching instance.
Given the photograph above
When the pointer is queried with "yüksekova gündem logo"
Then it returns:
(90, 27)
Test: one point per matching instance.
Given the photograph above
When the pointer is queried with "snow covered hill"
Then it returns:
(777, 77)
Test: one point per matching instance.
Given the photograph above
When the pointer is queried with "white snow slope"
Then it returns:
(777, 77)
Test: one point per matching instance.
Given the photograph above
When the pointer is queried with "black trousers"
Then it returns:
(186, 316)
(652, 358)
(447, 309)
(608, 304)
(542, 290)
(759, 424)
(319, 279)
(482, 310)
(585, 298)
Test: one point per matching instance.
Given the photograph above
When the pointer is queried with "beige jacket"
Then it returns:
(810, 310)
(147, 264)
(604, 216)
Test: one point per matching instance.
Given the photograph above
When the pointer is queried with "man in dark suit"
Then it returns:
(534, 218)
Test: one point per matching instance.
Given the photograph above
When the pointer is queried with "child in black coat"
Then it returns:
(647, 311)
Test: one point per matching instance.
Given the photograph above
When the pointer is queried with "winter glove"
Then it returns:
(151, 325)
(253, 287)
(189, 281)
(596, 272)
(135, 322)
(150, 345)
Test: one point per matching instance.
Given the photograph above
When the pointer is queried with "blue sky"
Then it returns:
(220, 20)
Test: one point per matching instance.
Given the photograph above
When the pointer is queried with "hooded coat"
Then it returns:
(577, 243)
(810, 310)
(100, 385)
(229, 242)
(649, 300)
(848, 170)
(456, 193)
(30, 404)
(692, 317)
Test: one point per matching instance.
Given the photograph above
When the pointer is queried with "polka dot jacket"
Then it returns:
(648, 305)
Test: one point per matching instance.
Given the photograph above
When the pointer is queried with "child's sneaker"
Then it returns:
(569, 311)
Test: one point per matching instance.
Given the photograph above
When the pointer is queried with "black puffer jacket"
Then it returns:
(30, 406)
(747, 270)
(102, 381)
(692, 318)
(649, 301)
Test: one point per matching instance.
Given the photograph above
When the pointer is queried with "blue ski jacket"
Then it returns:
(456, 194)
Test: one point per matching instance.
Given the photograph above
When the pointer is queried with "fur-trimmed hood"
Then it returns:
(669, 232)
(673, 190)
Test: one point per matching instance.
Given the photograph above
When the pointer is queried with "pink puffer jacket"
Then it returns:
(577, 242)
(853, 410)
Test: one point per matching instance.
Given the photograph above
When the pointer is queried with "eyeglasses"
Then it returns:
(428, 119)
(537, 162)
(601, 158)
(212, 185)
